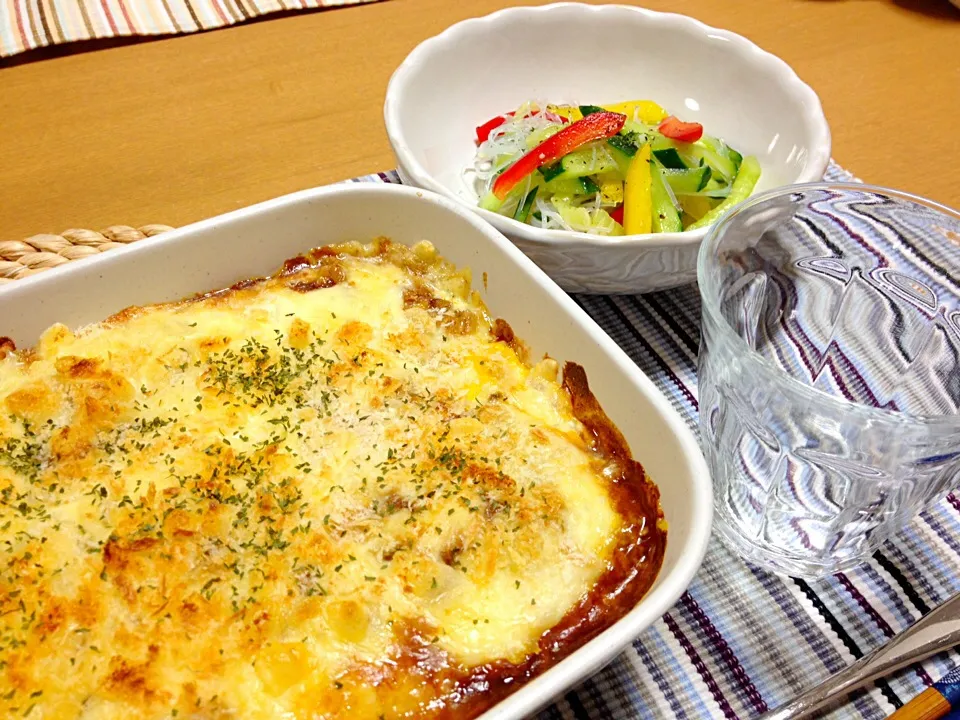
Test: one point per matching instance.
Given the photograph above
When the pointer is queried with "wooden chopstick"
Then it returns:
(935, 702)
(928, 705)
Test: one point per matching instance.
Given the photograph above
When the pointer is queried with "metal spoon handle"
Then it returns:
(936, 631)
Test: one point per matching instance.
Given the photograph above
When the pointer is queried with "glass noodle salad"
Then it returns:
(618, 169)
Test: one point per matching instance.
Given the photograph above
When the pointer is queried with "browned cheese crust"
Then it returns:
(323, 494)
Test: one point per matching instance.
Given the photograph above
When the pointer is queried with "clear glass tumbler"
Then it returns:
(829, 371)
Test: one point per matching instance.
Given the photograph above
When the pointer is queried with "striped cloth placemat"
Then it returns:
(29, 24)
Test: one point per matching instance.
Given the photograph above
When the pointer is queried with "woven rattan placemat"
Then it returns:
(38, 253)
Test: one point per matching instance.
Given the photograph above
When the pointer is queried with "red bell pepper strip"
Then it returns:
(676, 129)
(617, 214)
(596, 126)
(483, 131)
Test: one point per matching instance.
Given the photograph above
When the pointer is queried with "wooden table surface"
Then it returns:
(178, 129)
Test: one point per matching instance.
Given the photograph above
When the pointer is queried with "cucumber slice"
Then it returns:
(627, 143)
(739, 191)
(719, 147)
(550, 172)
(589, 186)
(639, 127)
(689, 181)
(660, 142)
(567, 187)
(590, 110)
(538, 136)
(683, 150)
(588, 161)
(670, 158)
(666, 215)
(621, 159)
(716, 187)
(491, 202)
(722, 159)
(717, 193)
(523, 209)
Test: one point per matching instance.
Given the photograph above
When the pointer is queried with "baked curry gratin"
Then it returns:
(338, 492)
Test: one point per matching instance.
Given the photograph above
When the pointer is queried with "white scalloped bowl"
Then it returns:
(574, 53)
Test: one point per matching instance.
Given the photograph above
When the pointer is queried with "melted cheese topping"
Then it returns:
(322, 495)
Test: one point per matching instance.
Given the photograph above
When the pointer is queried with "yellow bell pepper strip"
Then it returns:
(696, 206)
(598, 126)
(637, 213)
(611, 190)
(742, 186)
(645, 111)
(570, 113)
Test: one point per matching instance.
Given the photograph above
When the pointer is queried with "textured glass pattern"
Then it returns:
(829, 371)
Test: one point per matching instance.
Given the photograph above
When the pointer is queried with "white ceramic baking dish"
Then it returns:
(256, 240)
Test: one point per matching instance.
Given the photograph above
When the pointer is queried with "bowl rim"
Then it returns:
(412, 172)
(708, 292)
